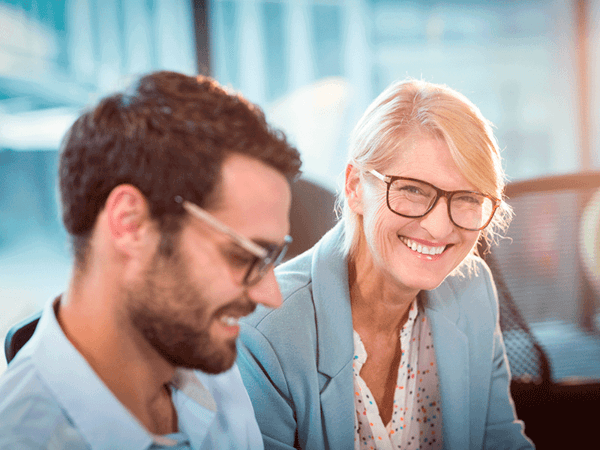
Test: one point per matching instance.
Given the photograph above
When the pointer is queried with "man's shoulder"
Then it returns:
(30, 415)
(22, 382)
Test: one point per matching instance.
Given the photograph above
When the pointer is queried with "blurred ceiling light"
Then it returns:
(22, 40)
(313, 118)
(36, 130)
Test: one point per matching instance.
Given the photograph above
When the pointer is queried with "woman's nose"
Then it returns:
(437, 222)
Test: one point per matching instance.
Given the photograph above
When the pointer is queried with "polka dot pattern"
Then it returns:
(417, 418)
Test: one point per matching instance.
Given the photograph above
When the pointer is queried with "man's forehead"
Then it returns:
(251, 194)
(248, 176)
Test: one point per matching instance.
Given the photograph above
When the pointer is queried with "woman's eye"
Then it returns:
(412, 190)
(470, 199)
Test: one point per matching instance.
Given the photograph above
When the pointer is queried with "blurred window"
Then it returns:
(56, 57)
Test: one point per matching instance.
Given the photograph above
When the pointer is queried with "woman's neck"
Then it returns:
(379, 305)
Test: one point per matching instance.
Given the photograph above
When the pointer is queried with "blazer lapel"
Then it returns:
(335, 346)
(452, 356)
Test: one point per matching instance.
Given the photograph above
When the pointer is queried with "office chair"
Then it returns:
(540, 277)
(311, 216)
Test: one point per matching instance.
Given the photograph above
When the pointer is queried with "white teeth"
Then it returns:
(229, 321)
(422, 248)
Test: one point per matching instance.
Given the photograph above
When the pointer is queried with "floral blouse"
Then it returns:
(417, 418)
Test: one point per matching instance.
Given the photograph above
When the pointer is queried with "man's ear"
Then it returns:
(128, 217)
(353, 189)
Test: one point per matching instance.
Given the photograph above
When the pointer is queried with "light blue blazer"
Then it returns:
(296, 361)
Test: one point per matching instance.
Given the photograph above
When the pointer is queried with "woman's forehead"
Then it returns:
(428, 159)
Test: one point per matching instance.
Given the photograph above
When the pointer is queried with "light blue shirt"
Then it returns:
(51, 398)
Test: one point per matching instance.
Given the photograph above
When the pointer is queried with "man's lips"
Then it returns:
(231, 313)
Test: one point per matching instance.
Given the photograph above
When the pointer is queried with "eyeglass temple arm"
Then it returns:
(383, 178)
(246, 244)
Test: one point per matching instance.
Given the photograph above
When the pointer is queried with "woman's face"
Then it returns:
(389, 239)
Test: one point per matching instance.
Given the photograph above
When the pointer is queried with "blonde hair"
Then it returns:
(414, 107)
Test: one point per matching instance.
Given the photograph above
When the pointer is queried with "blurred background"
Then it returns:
(314, 66)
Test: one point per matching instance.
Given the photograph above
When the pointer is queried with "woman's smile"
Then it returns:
(423, 247)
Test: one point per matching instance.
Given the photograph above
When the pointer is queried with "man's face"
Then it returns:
(187, 304)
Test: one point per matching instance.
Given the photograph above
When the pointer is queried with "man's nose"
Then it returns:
(266, 291)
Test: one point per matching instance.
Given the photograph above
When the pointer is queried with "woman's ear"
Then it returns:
(353, 189)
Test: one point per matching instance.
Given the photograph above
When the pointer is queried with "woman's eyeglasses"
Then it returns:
(409, 197)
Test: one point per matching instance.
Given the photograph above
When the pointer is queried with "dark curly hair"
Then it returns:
(167, 135)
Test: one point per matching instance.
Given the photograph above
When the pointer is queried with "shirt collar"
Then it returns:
(88, 402)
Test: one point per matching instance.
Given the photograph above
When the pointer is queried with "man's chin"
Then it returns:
(213, 362)
(214, 369)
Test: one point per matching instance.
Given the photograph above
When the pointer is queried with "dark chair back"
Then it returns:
(311, 216)
(527, 359)
(19, 334)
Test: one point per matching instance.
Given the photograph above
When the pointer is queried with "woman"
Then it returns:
(388, 336)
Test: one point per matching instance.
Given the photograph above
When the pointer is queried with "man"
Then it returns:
(176, 195)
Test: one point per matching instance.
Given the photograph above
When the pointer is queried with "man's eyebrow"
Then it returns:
(265, 244)
(261, 242)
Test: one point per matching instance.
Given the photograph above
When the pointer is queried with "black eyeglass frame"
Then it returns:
(389, 179)
(269, 257)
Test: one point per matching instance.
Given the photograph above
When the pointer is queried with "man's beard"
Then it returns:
(173, 317)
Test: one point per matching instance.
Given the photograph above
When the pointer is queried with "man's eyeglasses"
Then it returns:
(409, 197)
(264, 257)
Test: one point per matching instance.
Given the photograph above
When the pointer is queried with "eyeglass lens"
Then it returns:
(467, 209)
(261, 266)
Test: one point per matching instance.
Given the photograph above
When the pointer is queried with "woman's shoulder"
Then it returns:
(477, 276)
(474, 292)
(295, 274)
(295, 284)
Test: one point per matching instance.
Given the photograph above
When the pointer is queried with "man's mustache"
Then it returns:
(241, 307)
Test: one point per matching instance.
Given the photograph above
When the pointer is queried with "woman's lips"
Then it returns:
(427, 250)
